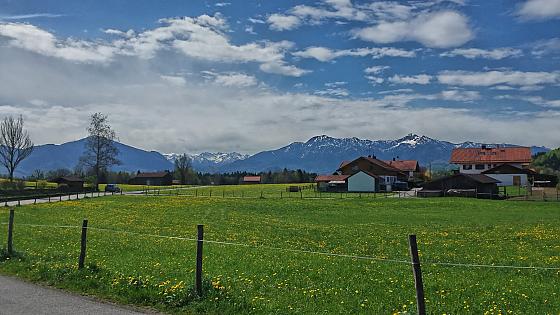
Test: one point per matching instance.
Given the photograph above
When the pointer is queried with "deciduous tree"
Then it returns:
(15, 144)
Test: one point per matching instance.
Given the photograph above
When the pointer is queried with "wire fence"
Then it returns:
(199, 240)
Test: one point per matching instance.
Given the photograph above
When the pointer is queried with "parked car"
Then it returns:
(112, 188)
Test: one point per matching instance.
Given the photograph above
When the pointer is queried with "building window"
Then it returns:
(479, 166)
(467, 167)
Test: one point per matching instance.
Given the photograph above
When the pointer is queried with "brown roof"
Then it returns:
(404, 165)
(509, 169)
(65, 179)
(374, 161)
(481, 178)
(328, 178)
(491, 155)
(152, 175)
(252, 179)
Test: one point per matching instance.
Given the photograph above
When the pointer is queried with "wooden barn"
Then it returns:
(152, 179)
(72, 183)
(251, 180)
(461, 184)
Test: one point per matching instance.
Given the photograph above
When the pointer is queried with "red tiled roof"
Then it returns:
(252, 179)
(404, 165)
(492, 155)
(328, 178)
(382, 164)
(152, 175)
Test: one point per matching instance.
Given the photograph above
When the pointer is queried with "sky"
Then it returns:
(192, 76)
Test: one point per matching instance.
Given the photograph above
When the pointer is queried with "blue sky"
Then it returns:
(191, 76)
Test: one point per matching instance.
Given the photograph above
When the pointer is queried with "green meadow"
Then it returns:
(269, 253)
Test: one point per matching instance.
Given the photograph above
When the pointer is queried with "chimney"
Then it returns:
(369, 156)
(393, 159)
(484, 147)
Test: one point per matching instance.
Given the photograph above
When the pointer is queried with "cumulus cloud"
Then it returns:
(32, 38)
(537, 100)
(474, 53)
(326, 54)
(415, 79)
(280, 22)
(539, 9)
(375, 69)
(201, 37)
(441, 29)
(232, 79)
(490, 78)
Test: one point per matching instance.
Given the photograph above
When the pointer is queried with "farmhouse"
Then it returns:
(510, 175)
(462, 184)
(409, 167)
(251, 180)
(388, 177)
(152, 179)
(69, 182)
(332, 183)
(478, 160)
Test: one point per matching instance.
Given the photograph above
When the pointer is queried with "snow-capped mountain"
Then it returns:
(323, 154)
(208, 161)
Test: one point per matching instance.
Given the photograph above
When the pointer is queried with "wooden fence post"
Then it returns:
(82, 257)
(199, 243)
(10, 233)
(413, 247)
(261, 193)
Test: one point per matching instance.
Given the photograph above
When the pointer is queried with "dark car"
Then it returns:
(112, 188)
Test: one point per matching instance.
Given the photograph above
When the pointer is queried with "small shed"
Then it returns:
(73, 183)
(332, 183)
(152, 179)
(483, 185)
(251, 180)
(510, 175)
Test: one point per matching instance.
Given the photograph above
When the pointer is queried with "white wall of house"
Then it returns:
(361, 182)
(507, 179)
(472, 168)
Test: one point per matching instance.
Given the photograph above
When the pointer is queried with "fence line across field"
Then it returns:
(496, 266)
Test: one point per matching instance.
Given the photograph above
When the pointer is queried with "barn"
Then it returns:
(72, 183)
(152, 179)
(479, 185)
(362, 182)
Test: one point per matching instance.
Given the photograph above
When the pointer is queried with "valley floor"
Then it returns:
(291, 255)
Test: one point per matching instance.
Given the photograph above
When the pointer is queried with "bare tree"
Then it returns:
(15, 144)
(183, 165)
(100, 149)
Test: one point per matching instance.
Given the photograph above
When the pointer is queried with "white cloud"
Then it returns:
(537, 100)
(539, 9)
(374, 80)
(473, 53)
(280, 22)
(173, 79)
(234, 79)
(546, 47)
(339, 92)
(29, 16)
(326, 54)
(222, 4)
(415, 79)
(441, 29)
(32, 38)
(459, 95)
(490, 78)
(375, 69)
(200, 37)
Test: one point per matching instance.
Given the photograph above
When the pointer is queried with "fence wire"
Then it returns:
(449, 264)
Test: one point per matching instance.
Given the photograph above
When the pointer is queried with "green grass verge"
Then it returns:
(144, 270)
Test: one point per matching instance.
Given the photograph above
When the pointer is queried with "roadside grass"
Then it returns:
(127, 264)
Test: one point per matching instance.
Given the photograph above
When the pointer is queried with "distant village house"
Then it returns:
(251, 180)
(152, 179)
(69, 182)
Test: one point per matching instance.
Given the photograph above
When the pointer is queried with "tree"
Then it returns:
(183, 165)
(100, 149)
(15, 144)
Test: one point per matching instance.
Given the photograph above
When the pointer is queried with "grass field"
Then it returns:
(132, 267)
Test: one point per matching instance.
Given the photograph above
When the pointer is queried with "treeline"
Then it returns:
(548, 163)
(192, 178)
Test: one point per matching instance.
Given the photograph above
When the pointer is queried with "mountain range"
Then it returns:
(320, 154)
